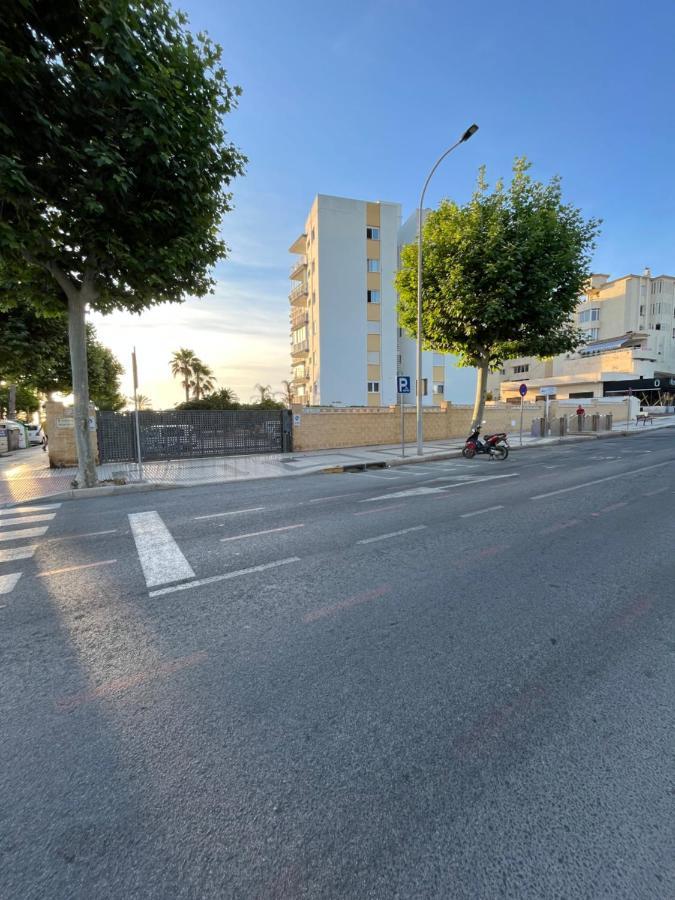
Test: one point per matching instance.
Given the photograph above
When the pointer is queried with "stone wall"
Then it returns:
(327, 428)
(60, 428)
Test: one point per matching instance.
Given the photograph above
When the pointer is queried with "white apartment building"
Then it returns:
(346, 345)
(629, 324)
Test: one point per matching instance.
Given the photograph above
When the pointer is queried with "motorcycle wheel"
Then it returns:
(500, 452)
(468, 452)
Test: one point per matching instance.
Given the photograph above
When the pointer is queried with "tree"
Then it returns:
(182, 363)
(502, 275)
(222, 399)
(143, 401)
(105, 371)
(114, 164)
(27, 401)
(203, 381)
(264, 392)
(35, 354)
(287, 393)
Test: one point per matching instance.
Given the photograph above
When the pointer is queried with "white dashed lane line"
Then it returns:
(392, 534)
(479, 512)
(241, 537)
(231, 512)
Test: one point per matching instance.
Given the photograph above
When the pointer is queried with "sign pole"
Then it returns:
(402, 427)
(522, 400)
(138, 430)
(402, 387)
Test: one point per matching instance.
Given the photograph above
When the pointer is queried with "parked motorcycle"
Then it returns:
(495, 445)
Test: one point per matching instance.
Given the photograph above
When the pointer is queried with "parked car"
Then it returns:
(35, 434)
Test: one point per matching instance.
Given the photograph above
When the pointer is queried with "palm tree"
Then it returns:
(264, 392)
(287, 393)
(182, 363)
(143, 401)
(203, 381)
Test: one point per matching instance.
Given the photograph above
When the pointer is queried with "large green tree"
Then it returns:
(35, 355)
(502, 275)
(114, 163)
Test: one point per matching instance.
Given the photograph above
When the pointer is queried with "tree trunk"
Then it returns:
(11, 402)
(186, 384)
(77, 337)
(481, 390)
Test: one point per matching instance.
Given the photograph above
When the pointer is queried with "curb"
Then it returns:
(109, 490)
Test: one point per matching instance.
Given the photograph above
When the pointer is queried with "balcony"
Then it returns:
(299, 317)
(301, 378)
(297, 270)
(299, 245)
(298, 293)
(300, 348)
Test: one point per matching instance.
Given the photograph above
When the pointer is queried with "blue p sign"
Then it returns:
(403, 384)
(523, 390)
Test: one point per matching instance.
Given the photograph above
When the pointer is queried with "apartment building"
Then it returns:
(629, 325)
(346, 345)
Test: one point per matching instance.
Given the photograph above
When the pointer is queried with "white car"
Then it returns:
(35, 434)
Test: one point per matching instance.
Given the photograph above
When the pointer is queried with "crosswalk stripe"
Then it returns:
(22, 520)
(23, 533)
(161, 558)
(8, 582)
(28, 509)
(8, 554)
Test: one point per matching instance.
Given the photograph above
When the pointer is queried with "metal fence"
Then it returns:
(186, 434)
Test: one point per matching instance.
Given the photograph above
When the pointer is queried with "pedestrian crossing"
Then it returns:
(9, 556)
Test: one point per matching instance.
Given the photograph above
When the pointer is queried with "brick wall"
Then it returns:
(61, 434)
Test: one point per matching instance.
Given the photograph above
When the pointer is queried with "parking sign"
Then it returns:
(403, 384)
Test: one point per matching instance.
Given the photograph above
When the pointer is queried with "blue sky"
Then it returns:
(358, 99)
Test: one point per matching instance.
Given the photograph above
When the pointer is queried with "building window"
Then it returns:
(373, 296)
(373, 234)
(657, 327)
(312, 232)
(439, 388)
(374, 328)
(589, 315)
(642, 309)
(373, 265)
(373, 387)
(374, 358)
(518, 370)
(592, 334)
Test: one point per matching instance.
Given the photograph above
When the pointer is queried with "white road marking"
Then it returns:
(479, 512)
(232, 512)
(22, 520)
(578, 487)
(28, 509)
(161, 558)
(654, 493)
(23, 533)
(240, 537)
(103, 562)
(7, 554)
(214, 578)
(332, 497)
(441, 489)
(384, 537)
(8, 582)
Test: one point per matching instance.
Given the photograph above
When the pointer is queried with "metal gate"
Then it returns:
(186, 434)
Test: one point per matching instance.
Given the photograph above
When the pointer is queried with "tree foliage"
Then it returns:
(115, 166)
(502, 274)
(182, 363)
(225, 398)
(35, 355)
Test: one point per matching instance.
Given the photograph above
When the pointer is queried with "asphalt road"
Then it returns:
(452, 681)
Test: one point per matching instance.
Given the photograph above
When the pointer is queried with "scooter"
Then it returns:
(495, 445)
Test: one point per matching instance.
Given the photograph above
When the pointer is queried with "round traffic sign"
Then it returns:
(523, 390)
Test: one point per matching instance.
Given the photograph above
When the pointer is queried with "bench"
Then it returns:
(644, 418)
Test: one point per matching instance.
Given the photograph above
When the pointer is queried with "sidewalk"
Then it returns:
(25, 474)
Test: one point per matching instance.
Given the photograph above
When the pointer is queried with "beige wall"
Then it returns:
(61, 435)
(325, 429)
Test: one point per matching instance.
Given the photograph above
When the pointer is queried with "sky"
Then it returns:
(358, 99)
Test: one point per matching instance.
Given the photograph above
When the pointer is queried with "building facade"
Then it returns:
(346, 345)
(629, 326)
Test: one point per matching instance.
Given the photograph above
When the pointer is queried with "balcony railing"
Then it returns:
(297, 266)
(298, 292)
(300, 347)
(299, 317)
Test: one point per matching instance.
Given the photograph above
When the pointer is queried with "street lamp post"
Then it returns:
(465, 137)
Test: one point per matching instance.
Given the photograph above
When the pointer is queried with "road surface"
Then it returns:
(445, 681)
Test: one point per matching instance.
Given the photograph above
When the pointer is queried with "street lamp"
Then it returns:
(465, 137)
